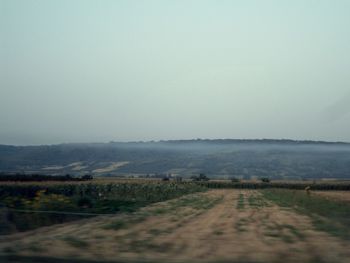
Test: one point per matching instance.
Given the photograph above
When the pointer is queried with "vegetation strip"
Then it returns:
(341, 186)
(331, 216)
(57, 212)
(28, 206)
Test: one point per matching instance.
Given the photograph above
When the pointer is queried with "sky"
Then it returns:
(99, 71)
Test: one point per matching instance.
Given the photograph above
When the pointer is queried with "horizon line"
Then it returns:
(306, 141)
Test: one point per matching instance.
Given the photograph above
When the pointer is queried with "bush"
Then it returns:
(265, 180)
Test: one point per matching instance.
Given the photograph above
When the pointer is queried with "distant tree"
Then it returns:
(194, 178)
(36, 177)
(203, 177)
(265, 180)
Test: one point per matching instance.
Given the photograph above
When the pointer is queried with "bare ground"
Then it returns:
(219, 225)
(336, 195)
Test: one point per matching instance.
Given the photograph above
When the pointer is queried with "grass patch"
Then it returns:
(155, 231)
(256, 201)
(240, 202)
(119, 223)
(287, 233)
(116, 225)
(218, 232)
(197, 202)
(76, 242)
(331, 216)
(113, 206)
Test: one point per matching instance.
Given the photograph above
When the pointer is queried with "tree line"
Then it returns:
(21, 177)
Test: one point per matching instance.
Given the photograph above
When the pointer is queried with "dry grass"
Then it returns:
(336, 195)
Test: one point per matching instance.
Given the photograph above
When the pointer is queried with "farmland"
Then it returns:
(155, 221)
(61, 202)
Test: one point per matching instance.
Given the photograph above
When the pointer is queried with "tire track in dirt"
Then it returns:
(197, 237)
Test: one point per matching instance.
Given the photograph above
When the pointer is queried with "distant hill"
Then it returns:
(279, 159)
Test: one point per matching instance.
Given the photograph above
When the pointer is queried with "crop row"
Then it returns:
(147, 191)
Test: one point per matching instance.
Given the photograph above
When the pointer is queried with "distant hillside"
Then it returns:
(217, 158)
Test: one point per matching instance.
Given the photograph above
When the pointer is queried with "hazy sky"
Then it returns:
(83, 71)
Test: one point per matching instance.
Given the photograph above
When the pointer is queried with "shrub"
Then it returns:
(265, 180)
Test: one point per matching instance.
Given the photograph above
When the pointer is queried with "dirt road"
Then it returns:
(219, 225)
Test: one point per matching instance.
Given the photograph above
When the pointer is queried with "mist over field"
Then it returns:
(245, 159)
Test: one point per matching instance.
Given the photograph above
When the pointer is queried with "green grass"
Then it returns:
(331, 216)
(240, 202)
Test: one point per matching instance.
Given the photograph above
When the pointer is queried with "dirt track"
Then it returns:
(218, 225)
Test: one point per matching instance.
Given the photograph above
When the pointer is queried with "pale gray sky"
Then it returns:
(83, 71)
